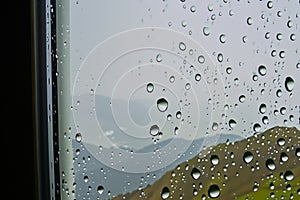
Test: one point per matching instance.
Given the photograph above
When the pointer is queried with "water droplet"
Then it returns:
(247, 157)
(210, 7)
(242, 98)
(267, 35)
(172, 79)
(162, 104)
(249, 20)
(283, 110)
(206, 31)
(254, 77)
(262, 108)
(183, 23)
(222, 38)
(214, 191)
(289, 24)
(282, 54)
(187, 86)
(265, 120)
(182, 46)
(195, 192)
(214, 159)
(169, 117)
(195, 173)
(279, 36)
(269, 4)
(178, 114)
(159, 57)
(262, 70)
(288, 175)
(193, 8)
(270, 164)
(154, 130)
(78, 137)
(228, 70)
(86, 179)
(165, 193)
(232, 123)
(281, 141)
(215, 126)
(293, 37)
(176, 130)
(150, 87)
(197, 77)
(256, 127)
(279, 93)
(100, 189)
(201, 59)
(289, 84)
(283, 157)
(297, 152)
(220, 57)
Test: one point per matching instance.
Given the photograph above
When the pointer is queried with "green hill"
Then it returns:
(264, 166)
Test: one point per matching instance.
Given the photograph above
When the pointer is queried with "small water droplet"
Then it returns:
(279, 36)
(293, 37)
(222, 38)
(206, 31)
(150, 87)
(289, 83)
(78, 137)
(289, 24)
(182, 46)
(242, 98)
(262, 70)
(279, 93)
(176, 130)
(159, 57)
(178, 114)
(269, 4)
(256, 127)
(162, 104)
(281, 141)
(195, 173)
(265, 120)
(297, 152)
(249, 20)
(267, 35)
(262, 108)
(197, 77)
(169, 117)
(86, 179)
(154, 130)
(183, 23)
(214, 191)
(270, 164)
(244, 39)
(165, 193)
(215, 126)
(283, 157)
(288, 175)
(193, 8)
(228, 70)
(282, 54)
(214, 159)
(247, 157)
(187, 86)
(172, 79)
(201, 59)
(220, 57)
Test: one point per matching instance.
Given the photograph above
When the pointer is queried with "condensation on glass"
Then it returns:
(178, 99)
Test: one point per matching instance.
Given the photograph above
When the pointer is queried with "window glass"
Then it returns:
(178, 99)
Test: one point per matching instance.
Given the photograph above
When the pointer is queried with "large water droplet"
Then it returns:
(100, 189)
(289, 83)
(214, 191)
(270, 164)
(256, 127)
(262, 108)
(214, 159)
(262, 70)
(195, 173)
(288, 175)
(162, 104)
(281, 141)
(232, 123)
(247, 157)
(283, 157)
(165, 193)
(154, 130)
(150, 87)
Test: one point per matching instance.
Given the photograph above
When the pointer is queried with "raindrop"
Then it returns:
(228, 70)
(269, 4)
(279, 93)
(232, 123)
(162, 104)
(220, 57)
(244, 39)
(288, 175)
(182, 46)
(267, 35)
(158, 57)
(178, 114)
(265, 120)
(284, 157)
(165, 193)
(193, 8)
(282, 54)
(262, 108)
(78, 137)
(222, 38)
(201, 59)
(289, 84)
(256, 127)
(197, 77)
(254, 77)
(195, 173)
(172, 79)
(262, 70)
(242, 98)
(210, 7)
(270, 164)
(249, 20)
(273, 53)
(293, 37)
(150, 87)
(154, 130)
(187, 86)
(281, 141)
(195, 192)
(169, 117)
(206, 31)
(86, 179)
(214, 191)
(283, 110)
(215, 126)
(279, 36)
(297, 153)
(183, 23)
(247, 157)
(100, 189)
(289, 23)
(214, 159)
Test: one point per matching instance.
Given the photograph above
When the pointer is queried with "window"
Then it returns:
(171, 99)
